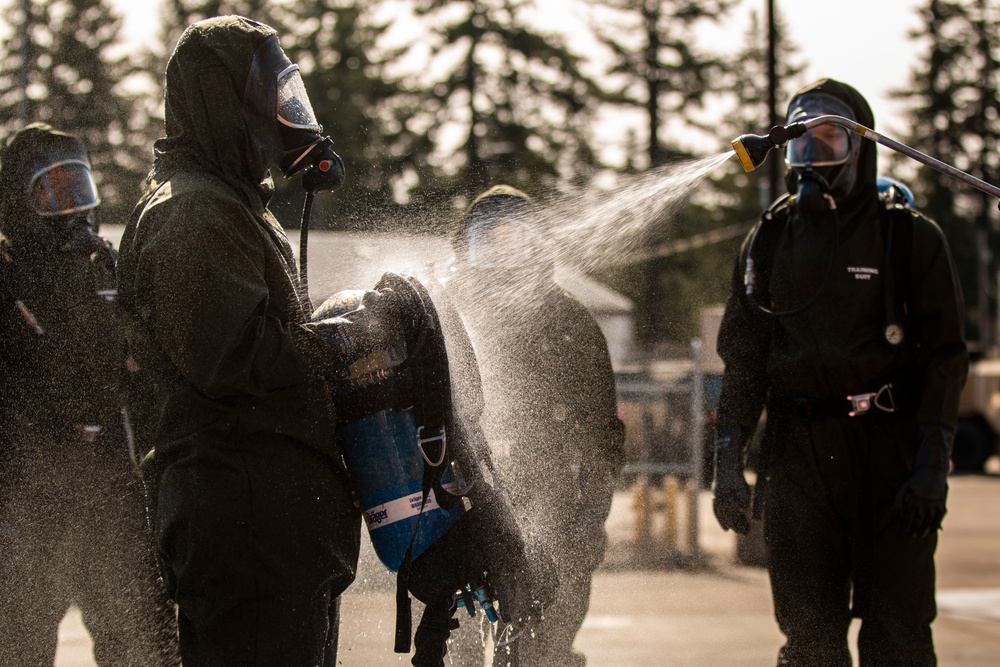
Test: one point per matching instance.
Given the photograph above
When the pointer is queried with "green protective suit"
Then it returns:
(550, 415)
(255, 522)
(835, 541)
(72, 518)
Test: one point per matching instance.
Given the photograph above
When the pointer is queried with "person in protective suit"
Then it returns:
(71, 503)
(253, 514)
(847, 326)
(550, 409)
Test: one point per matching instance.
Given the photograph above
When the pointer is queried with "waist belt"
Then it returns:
(884, 400)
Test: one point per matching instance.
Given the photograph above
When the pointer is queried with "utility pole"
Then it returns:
(23, 109)
(774, 158)
(984, 223)
(651, 18)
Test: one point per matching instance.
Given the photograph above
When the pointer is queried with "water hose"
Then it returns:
(304, 244)
(325, 174)
(751, 149)
(750, 276)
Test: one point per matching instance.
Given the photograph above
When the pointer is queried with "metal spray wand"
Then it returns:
(751, 149)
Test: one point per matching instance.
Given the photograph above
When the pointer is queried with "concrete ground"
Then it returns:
(656, 606)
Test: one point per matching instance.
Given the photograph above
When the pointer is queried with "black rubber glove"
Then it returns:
(400, 307)
(391, 314)
(732, 493)
(921, 499)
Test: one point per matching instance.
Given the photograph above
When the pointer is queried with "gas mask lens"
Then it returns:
(294, 108)
(823, 146)
(63, 188)
(499, 242)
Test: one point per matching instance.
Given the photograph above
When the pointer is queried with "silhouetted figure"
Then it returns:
(847, 327)
(550, 410)
(72, 514)
(254, 517)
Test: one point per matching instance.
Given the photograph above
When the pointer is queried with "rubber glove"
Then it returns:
(921, 499)
(732, 493)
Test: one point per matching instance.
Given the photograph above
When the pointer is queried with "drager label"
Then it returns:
(397, 510)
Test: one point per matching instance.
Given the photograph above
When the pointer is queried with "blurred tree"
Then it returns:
(364, 108)
(653, 46)
(745, 195)
(664, 74)
(177, 15)
(513, 100)
(954, 98)
(66, 68)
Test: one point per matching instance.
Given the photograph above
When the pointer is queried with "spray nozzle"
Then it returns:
(752, 149)
(485, 596)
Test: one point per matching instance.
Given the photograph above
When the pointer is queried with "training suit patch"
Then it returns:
(862, 272)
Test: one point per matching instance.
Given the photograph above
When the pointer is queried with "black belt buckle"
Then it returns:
(863, 403)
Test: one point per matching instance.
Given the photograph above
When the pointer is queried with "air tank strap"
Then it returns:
(897, 235)
(432, 394)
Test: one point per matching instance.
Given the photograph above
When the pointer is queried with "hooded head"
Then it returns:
(234, 103)
(844, 162)
(500, 232)
(47, 193)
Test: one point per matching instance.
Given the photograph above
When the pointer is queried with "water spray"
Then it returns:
(751, 149)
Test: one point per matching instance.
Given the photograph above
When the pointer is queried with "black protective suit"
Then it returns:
(836, 540)
(256, 526)
(550, 416)
(71, 507)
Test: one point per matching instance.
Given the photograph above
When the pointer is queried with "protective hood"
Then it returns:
(206, 126)
(46, 190)
(498, 195)
(862, 197)
(500, 232)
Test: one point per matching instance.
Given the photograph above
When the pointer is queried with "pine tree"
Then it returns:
(746, 194)
(955, 117)
(362, 106)
(654, 49)
(177, 15)
(517, 98)
(66, 57)
(667, 75)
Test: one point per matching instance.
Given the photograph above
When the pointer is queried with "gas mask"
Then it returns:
(502, 243)
(814, 194)
(282, 124)
(825, 158)
(63, 197)
(502, 235)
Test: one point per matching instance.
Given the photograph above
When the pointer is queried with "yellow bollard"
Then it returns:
(671, 488)
(640, 505)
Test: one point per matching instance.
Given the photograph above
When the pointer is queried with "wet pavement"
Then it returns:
(654, 605)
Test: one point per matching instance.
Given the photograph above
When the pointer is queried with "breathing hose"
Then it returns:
(304, 244)
(749, 276)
